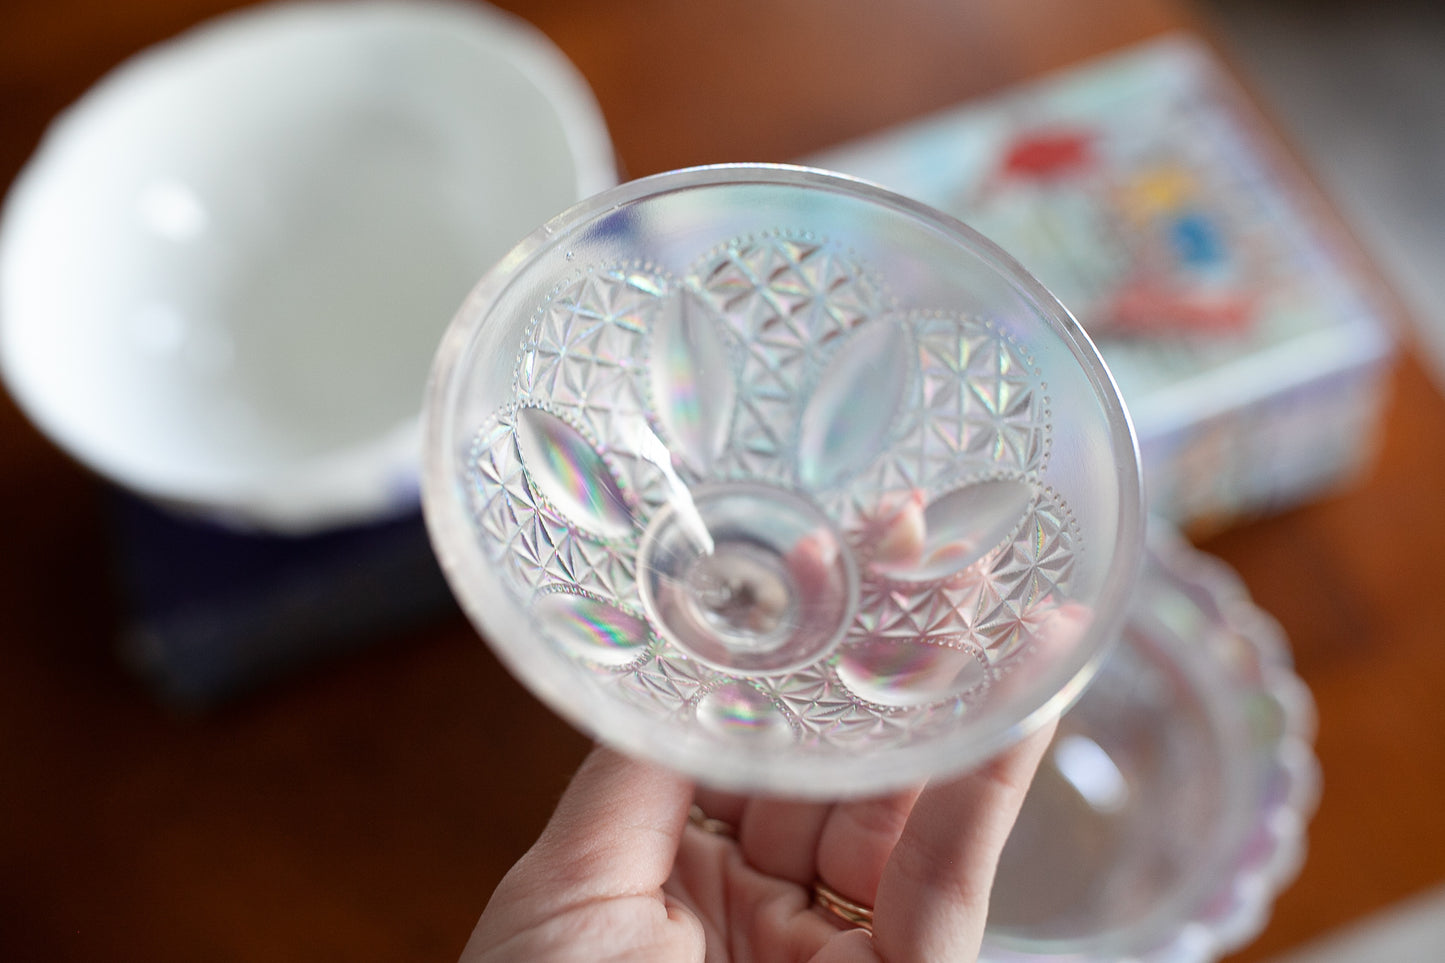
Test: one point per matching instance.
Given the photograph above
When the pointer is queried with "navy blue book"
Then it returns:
(213, 612)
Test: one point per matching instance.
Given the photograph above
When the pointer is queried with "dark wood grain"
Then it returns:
(365, 812)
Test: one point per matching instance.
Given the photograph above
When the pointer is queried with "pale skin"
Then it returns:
(620, 873)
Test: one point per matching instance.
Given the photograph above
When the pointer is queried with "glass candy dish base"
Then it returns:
(1170, 809)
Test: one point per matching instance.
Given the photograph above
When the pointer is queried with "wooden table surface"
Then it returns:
(366, 811)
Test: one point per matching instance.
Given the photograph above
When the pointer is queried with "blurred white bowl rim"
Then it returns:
(225, 271)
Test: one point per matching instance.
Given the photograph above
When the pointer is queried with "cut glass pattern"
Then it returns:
(777, 360)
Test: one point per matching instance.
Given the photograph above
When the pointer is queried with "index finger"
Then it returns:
(614, 833)
(933, 895)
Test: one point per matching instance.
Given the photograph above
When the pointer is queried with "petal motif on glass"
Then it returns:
(738, 710)
(846, 423)
(959, 528)
(592, 629)
(902, 674)
(571, 475)
(692, 385)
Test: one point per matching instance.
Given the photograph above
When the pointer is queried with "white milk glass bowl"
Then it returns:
(782, 480)
(224, 271)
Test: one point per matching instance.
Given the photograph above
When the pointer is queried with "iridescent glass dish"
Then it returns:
(1170, 810)
(782, 480)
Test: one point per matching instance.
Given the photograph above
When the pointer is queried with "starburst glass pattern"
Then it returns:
(982, 408)
(980, 411)
(586, 355)
(666, 684)
(646, 402)
(529, 538)
(993, 602)
(785, 301)
(831, 716)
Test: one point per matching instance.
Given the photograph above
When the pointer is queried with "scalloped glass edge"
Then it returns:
(1231, 912)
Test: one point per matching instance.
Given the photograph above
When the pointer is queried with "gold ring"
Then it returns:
(707, 824)
(840, 907)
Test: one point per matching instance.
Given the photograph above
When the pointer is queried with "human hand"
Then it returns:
(622, 873)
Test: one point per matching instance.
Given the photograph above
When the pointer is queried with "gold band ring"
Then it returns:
(841, 908)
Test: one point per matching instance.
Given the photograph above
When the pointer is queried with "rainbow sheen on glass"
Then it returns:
(693, 391)
(898, 674)
(570, 473)
(592, 629)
